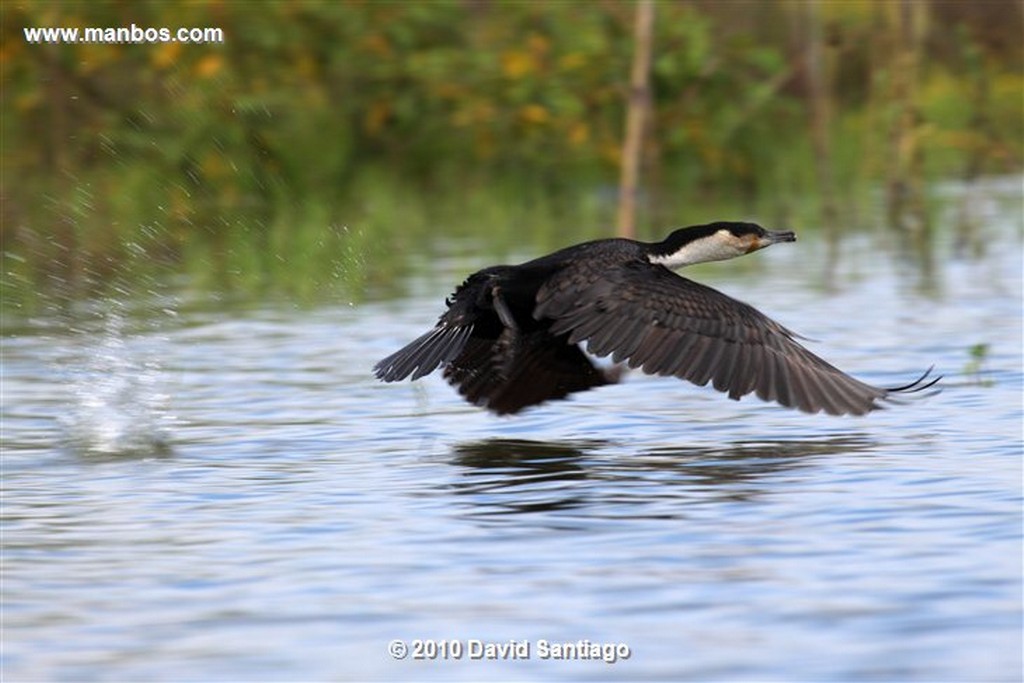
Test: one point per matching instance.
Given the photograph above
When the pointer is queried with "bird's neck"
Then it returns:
(700, 250)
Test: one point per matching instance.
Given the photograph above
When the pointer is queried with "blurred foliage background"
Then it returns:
(327, 142)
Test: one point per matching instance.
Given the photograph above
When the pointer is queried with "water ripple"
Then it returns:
(294, 515)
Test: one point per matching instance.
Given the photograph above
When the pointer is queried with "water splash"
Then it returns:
(119, 405)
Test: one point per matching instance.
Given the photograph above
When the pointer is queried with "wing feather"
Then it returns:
(423, 355)
(649, 317)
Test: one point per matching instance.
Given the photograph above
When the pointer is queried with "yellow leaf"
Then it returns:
(516, 63)
(376, 44)
(305, 66)
(377, 116)
(537, 43)
(166, 54)
(611, 153)
(209, 65)
(573, 60)
(579, 134)
(213, 166)
(27, 101)
(534, 113)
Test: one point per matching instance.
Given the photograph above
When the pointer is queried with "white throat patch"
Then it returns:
(714, 247)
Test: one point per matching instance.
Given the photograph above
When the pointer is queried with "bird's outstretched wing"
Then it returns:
(665, 324)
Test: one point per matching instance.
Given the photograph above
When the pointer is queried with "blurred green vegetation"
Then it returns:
(322, 143)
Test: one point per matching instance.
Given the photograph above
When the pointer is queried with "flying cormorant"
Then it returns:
(511, 337)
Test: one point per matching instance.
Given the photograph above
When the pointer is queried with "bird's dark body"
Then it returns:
(511, 337)
(511, 359)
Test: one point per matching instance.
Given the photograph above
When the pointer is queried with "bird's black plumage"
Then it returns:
(512, 335)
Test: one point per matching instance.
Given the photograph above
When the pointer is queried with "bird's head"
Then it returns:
(714, 242)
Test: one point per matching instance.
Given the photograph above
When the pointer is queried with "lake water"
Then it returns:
(193, 491)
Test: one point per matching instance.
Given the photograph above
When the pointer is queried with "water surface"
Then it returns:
(193, 492)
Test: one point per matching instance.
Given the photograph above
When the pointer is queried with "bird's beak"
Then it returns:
(779, 236)
(771, 238)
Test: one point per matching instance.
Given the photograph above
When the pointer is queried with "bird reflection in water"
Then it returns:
(512, 476)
